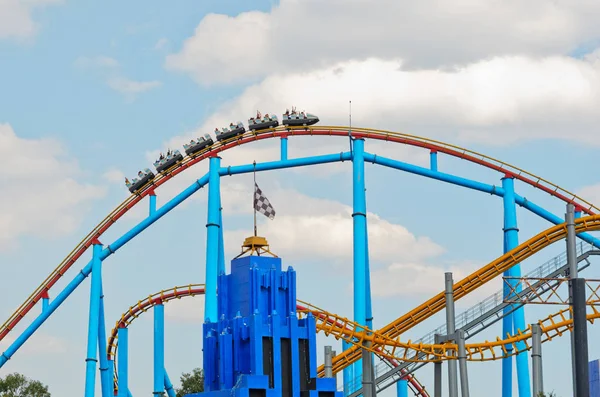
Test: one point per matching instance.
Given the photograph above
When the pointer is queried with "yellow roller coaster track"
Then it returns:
(555, 325)
(475, 280)
(252, 136)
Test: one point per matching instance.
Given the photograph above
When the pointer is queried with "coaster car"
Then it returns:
(263, 123)
(233, 131)
(168, 161)
(197, 145)
(142, 179)
(294, 119)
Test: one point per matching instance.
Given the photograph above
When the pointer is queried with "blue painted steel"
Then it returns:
(275, 165)
(159, 349)
(348, 372)
(221, 269)
(94, 317)
(140, 227)
(152, 204)
(550, 217)
(284, 148)
(45, 304)
(169, 386)
(123, 361)
(515, 321)
(83, 273)
(440, 176)
(359, 219)
(433, 160)
(105, 368)
(594, 371)
(577, 214)
(369, 307)
(259, 343)
(212, 240)
(402, 388)
(479, 186)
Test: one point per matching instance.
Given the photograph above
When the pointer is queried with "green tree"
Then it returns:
(17, 385)
(190, 382)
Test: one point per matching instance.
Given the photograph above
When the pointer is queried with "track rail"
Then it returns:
(191, 290)
(475, 280)
(248, 137)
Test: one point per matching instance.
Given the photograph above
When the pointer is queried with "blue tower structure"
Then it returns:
(259, 347)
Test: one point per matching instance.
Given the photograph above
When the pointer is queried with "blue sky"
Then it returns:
(91, 92)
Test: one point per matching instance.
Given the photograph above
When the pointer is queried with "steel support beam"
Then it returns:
(582, 377)
(105, 364)
(212, 240)
(359, 220)
(94, 319)
(284, 148)
(402, 388)
(515, 321)
(123, 361)
(536, 359)
(328, 365)
(159, 350)
(462, 362)
(437, 372)
(452, 373)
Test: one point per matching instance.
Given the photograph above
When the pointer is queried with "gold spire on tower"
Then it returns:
(256, 245)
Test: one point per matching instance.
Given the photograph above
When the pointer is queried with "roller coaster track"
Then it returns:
(484, 314)
(187, 162)
(191, 290)
(339, 327)
(392, 331)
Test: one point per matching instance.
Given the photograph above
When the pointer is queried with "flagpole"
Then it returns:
(254, 199)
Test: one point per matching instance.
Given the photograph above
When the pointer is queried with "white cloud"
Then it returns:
(39, 343)
(326, 227)
(500, 100)
(186, 310)
(591, 193)
(161, 44)
(114, 175)
(41, 196)
(300, 36)
(98, 61)
(132, 87)
(412, 279)
(16, 17)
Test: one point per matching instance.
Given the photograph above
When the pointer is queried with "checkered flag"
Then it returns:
(261, 203)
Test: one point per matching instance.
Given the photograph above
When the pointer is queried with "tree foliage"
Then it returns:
(17, 385)
(190, 382)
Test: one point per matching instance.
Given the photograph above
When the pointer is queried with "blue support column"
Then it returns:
(212, 240)
(169, 386)
(159, 349)
(152, 198)
(105, 368)
(284, 148)
(402, 388)
(348, 372)
(433, 160)
(45, 301)
(359, 217)
(94, 317)
(221, 269)
(512, 323)
(123, 361)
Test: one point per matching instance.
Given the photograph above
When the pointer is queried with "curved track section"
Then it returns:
(467, 285)
(191, 290)
(412, 140)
